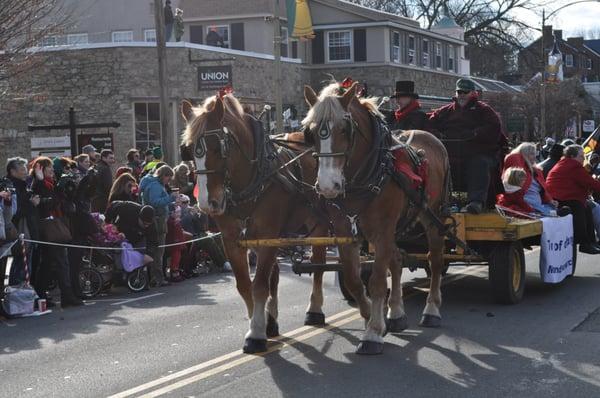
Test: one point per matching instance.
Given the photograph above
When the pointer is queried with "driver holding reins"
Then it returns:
(472, 133)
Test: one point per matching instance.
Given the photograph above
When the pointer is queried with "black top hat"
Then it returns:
(405, 88)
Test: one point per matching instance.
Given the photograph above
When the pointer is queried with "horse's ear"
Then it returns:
(348, 96)
(310, 96)
(187, 110)
(218, 110)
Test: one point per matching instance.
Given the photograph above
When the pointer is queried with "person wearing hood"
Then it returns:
(472, 133)
(531, 194)
(408, 115)
(571, 184)
(553, 157)
(153, 189)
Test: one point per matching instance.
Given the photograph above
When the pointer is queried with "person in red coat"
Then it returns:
(533, 197)
(472, 133)
(570, 184)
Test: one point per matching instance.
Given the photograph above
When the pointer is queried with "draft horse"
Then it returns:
(351, 152)
(247, 183)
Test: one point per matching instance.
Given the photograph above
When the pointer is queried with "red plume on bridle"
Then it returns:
(345, 85)
(224, 91)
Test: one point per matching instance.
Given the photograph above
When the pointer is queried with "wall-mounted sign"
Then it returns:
(214, 77)
(588, 126)
(50, 146)
(99, 141)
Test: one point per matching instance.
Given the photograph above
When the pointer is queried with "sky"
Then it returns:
(573, 20)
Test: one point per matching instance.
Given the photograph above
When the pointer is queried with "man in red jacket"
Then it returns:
(472, 133)
(570, 184)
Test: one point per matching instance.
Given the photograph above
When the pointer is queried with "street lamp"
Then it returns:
(543, 87)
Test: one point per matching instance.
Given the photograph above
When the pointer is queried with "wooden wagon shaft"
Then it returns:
(284, 242)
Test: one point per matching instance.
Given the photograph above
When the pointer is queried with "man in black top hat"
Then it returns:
(408, 115)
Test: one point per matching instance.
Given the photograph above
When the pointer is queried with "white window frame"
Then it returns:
(425, 61)
(396, 49)
(351, 45)
(588, 64)
(146, 121)
(451, 59)
(77, 38)
(226, 43)
(116, 33)
(150, 35)
(412, 52)
(285, 42)
(438, 53)
(569, 60)
(50, 41)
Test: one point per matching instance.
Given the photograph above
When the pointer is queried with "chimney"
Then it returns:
(576, 42)
(558, 35)
(547, 32)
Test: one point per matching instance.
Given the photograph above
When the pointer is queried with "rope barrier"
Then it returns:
(39, 242)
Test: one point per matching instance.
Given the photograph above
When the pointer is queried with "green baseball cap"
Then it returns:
(465, 85)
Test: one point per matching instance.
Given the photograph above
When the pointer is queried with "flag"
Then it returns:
(591, 143)
(299, 19)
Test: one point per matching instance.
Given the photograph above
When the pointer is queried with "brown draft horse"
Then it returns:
(342, 130)
(225, 155)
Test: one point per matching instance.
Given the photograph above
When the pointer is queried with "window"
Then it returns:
(284, 41)
(150, 35)
(438, 55)
(588, 63)
(147, 124)
(50, 41)
(396, 47)
(411, 50)
(122, 36)
(339, 46)
(569, 60)
(451, 59)
(425, 53)
(222, 40)
(77, 38)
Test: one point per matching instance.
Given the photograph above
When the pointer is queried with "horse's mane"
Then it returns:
(329, 107)
(234, 114)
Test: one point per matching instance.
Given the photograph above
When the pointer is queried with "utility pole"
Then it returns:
(166, 138)
(277, 67)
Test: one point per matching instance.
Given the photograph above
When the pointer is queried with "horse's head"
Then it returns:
(332, 125)
(209, 137)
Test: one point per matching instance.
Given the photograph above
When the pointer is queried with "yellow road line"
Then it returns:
(284, 340)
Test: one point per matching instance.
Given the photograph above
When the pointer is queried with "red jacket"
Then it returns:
(569, 180)
(516, 200)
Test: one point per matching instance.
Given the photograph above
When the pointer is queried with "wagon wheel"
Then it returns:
(507, 272)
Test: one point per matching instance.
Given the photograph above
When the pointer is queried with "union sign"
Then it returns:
(214, 77)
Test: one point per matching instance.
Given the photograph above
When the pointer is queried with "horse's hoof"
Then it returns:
(396, 325)
(272, 327)
(369, 348)
(430, 321)
(254, 346)
(314, 319)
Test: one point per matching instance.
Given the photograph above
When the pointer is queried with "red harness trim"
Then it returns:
(418, 175)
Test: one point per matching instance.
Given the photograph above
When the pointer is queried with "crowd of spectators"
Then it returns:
(144, 202)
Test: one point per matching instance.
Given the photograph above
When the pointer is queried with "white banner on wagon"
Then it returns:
(556, 249)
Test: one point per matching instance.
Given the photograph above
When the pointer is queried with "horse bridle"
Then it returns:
(200, 148)
(325, 132)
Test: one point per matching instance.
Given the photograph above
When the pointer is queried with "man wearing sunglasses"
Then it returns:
(472, 133)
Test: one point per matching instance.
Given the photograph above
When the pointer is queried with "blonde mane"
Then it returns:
(329, 108)
(234, 114)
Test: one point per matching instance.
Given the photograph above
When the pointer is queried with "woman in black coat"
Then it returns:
(51, 205)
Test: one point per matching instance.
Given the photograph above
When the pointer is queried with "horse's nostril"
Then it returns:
(337, 186)
(213, 204)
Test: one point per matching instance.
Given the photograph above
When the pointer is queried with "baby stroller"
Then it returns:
(100, 269)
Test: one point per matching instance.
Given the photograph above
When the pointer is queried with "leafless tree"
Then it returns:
(24, 24)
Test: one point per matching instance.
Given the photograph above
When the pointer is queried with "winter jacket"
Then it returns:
(25, 209)
(516, 200)
(103, 185)
(153, 193)
(569, 180)
(125, 215)
(415, 120)
(472, 129)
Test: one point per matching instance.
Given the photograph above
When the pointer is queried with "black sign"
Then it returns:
(99, 141)
(214, 77)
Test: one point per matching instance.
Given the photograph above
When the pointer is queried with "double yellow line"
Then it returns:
(238, 358)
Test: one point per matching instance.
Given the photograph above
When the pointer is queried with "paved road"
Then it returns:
(184, 341)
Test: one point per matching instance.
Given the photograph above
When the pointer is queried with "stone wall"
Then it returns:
(102, 84)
